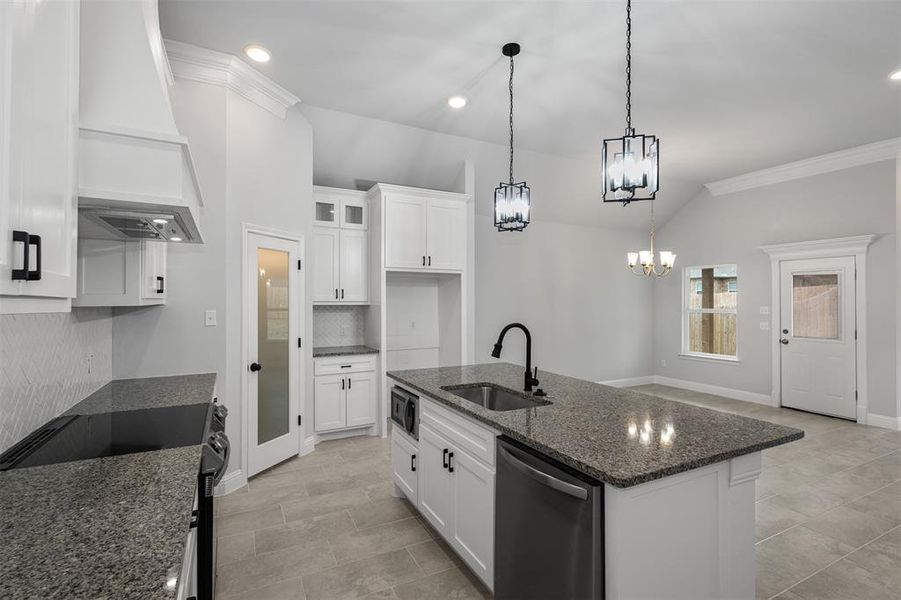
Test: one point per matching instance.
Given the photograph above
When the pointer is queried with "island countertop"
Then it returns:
(112, 527)
(597, 429)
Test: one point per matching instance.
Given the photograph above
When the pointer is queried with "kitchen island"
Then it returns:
(678, 480)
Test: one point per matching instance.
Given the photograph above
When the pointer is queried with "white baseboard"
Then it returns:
(231, 482)
(893, 423)
(308, 445)
(693, 386)
(629, 381)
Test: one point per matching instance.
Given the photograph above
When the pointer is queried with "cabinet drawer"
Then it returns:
(335, 365)
(465, 433)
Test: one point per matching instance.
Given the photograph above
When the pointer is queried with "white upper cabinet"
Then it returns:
(446, 230)
(121, 273)
(340, 261)
(38, 140)
(424, 231)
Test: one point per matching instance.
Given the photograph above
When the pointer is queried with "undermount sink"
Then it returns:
(494, 397)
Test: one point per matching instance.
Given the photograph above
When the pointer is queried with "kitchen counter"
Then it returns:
(112, 527)
(319, 351)
(596, 429)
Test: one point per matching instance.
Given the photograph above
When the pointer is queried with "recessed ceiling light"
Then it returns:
(896, 75)
(160, 221)
(456, 101)
(175, 239)
(257, 53)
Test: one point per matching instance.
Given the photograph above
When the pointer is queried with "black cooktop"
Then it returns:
(79, 437)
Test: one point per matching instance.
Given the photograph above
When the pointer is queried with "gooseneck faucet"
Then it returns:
(529, 379)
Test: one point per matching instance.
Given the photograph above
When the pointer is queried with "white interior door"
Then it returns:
(818, 345)
(273, 320)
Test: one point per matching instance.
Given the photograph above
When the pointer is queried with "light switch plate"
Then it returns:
(764, 310)
(765, 325)
(209, 318)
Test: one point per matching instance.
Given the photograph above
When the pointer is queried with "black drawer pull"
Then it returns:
(450, 462)
(160, 284)
(21, 274)
(412, 462)
(35, 240)
(346, 366)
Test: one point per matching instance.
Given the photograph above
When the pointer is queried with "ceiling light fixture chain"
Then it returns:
(512, 201)
(629, 130)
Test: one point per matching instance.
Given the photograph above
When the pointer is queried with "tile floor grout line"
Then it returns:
(855, 499)
(837, 560)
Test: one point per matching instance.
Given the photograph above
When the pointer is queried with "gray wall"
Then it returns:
(49, 362)
(590, 317)
(732, 227)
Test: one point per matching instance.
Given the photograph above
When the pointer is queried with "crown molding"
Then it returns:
(208, 66)
(826, 163)
(846, 246)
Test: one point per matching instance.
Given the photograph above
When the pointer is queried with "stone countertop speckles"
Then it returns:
(148, 392)
(598, 429)
(319, 351)
(110, 527)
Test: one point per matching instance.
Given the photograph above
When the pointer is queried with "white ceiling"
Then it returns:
(728, 86)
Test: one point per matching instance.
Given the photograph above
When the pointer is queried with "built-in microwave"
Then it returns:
(404, 411)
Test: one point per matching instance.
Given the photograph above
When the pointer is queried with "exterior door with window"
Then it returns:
(273, 321)
(818, 341)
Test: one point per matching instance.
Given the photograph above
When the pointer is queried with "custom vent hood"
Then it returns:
(136, 178)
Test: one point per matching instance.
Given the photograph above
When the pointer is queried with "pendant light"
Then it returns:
(643, 262)
(630, 166)
(512, 203)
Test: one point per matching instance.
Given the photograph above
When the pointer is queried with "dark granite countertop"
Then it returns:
(112, 527)
(597, 429)
(319, 351)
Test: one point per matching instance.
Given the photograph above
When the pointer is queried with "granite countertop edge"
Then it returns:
(613, 480)
(352, 350)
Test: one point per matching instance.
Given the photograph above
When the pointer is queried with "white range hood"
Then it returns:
(135, 168)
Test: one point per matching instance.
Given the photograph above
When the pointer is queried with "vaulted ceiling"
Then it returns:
(728, 86)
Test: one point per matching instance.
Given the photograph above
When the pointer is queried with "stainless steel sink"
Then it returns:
(494, 397)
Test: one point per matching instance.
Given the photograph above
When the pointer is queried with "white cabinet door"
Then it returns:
(325, 265)
(329, 403)
(38, 139)
(472, 522)
(405, 232)
(404, 468)
(354, 214)
(360, 399)
(353, 260)
(434, 480)
(153, 270)
(446, 232)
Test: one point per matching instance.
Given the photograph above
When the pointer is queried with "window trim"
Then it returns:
(685, 352)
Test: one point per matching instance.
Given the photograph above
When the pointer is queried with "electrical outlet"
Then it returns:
(662, 362)
(90, 363)
(764, 310)
(209, 318)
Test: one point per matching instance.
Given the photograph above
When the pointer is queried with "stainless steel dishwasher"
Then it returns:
(549, 528)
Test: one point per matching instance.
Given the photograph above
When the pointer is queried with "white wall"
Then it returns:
(255, 168)
(590, 317)
(732, 227)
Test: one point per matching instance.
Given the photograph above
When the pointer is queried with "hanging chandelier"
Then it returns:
(630, 166)
(511, 200)
(644, 263)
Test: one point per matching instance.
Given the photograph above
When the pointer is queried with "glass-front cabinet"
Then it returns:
(334, 207)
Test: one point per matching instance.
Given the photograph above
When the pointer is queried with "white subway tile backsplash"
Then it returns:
(338, 325)
(49, 362)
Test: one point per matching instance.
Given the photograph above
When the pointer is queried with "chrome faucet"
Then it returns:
(529, 378)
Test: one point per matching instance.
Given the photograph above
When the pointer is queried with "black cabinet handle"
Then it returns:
(21, 274)
(430, 261)
(336, 293)
(450, 462)
(412, 462)
(254, 367)
(348, 382)
(346, 366)
(444, 458)
(342, 293)
(35, 240)
(423, 261)
(160, 284)
(342, 383)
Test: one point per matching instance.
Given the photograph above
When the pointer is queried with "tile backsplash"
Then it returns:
(49, 362)
(338, 325)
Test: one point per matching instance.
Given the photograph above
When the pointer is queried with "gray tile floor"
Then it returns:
(325, 526)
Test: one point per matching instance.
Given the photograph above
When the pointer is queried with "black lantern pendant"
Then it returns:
(511, 200)
(630, 166)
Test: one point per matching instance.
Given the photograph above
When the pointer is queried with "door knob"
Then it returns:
(254, 367)
(784, 342)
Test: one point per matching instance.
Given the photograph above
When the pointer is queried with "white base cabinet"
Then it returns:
(345, 394)
(450, 477)
(121, 273)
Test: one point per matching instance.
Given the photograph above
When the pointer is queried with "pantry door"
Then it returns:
(818, 335)
(273, 320)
